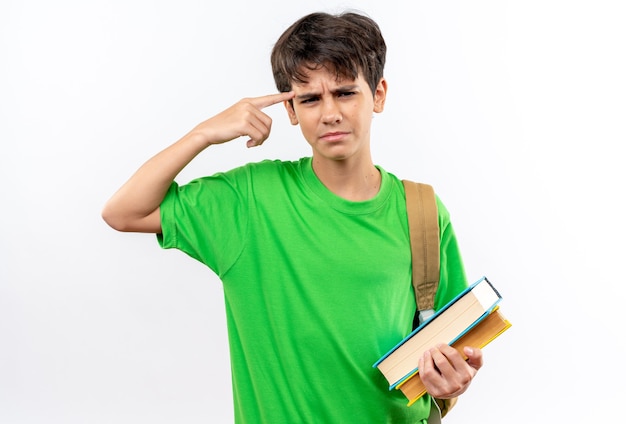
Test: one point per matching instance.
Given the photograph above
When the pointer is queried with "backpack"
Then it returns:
(423, 217)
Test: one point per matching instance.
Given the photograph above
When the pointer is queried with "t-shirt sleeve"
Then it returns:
(207, 219)
(452, 278)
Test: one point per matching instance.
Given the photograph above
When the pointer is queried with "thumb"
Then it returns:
(474, 357)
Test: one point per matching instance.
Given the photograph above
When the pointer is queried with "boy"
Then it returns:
(313, 254)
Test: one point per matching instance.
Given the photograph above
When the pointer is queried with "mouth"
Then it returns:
(334, 136)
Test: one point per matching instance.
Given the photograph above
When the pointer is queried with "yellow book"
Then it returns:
(479, 336)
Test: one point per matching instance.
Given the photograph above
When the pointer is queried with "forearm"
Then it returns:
(134, 207)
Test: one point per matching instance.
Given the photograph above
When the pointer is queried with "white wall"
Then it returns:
(514, 110)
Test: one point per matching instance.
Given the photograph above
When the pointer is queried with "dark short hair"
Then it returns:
(346, 44)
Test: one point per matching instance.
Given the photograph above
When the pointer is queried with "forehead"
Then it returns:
(324, 77)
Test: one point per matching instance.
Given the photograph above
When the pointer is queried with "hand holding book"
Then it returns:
(446, 373)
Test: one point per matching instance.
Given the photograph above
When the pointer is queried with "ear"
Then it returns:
(291, 112)
(380, 95)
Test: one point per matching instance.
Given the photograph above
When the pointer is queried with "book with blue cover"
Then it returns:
(480, 335)
(446, 326)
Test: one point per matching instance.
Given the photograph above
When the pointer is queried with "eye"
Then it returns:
(309, 100)
(346, 93)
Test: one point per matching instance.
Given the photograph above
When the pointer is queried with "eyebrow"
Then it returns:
(342, 89)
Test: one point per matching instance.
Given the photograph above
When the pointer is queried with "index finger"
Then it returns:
(271, 99)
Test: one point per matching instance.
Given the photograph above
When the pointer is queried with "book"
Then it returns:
(446, 326)
(486, 330)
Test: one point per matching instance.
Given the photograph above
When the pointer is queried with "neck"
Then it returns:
(353, 181)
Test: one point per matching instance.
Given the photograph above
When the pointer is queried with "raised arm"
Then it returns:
(135, 206)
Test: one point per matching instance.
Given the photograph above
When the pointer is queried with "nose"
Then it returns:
(331, 114)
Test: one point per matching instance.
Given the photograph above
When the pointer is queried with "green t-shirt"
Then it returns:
(317, 288)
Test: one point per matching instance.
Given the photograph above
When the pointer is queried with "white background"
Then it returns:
(513, 110)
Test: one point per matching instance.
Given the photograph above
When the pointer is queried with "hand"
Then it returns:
(244, 118)
(445, 373)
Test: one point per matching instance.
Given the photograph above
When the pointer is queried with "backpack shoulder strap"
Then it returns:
(421, 206)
